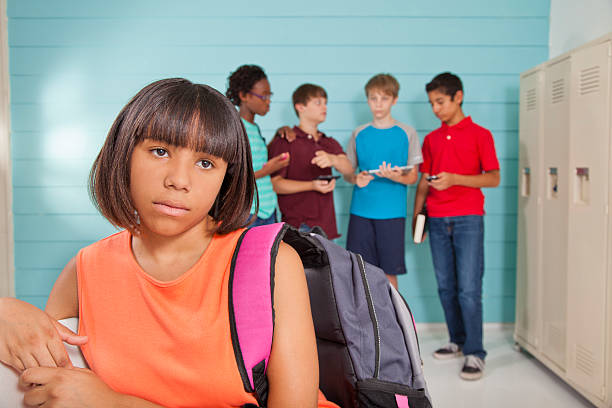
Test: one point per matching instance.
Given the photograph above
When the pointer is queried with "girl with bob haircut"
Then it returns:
(175, 174)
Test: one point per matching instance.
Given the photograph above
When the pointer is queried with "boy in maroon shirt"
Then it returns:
(458, 159)
(304, 199)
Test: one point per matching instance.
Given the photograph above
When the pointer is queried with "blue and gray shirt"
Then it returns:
(368, 147)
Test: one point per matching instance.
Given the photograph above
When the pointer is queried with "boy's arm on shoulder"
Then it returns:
(63, 301)
(293, 369)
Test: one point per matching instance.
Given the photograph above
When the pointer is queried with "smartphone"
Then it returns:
(328, 177)
(430, 178)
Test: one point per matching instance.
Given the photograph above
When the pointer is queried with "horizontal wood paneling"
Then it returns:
(328, 31)
(168, 61)
(313, 8)
(74, 64)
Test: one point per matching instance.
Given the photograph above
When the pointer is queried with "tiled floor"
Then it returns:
(512, 379)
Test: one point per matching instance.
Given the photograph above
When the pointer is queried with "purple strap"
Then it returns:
(252, 294)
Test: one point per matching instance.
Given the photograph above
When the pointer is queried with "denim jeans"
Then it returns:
(457, 249)
(264, 221)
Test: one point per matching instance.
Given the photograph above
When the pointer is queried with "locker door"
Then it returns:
(555, 210)
(588, 217)
(529, 213)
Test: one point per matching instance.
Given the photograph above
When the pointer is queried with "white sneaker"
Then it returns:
(451, 350)
(473, 368)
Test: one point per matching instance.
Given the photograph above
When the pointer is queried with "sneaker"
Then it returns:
(451, 350)
(472, 368)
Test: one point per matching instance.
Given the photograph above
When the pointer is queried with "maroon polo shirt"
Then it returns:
(465, 148)
(309, 207)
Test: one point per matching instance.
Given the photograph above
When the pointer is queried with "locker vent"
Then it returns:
(558, 90)
(531, 99)
(589, 80)
(585, 361)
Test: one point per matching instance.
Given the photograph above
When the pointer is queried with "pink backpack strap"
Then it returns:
(251, 301)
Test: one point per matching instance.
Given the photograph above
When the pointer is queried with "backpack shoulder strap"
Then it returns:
(251, 301)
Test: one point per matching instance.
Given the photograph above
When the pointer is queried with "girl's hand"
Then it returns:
(363, 179)
(392, 173)
(66, 388)
(29, 337)
(323, 186)
(276, 163)
(444, 181)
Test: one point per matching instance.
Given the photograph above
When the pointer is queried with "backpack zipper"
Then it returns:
(366, 287)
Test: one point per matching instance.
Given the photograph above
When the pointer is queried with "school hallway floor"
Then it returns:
(511, 379)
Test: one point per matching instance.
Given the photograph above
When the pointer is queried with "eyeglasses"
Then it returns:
(262, 97)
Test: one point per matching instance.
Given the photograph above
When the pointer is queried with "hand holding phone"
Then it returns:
(328, 177)
(432, 177)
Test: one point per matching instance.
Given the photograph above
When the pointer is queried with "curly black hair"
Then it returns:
(242, 80)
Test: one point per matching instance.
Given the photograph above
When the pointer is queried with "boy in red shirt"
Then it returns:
(306, 200)
(458, 159)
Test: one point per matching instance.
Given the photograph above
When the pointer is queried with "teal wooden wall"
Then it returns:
(74, 64)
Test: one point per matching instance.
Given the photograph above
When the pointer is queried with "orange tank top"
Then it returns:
(166, 342)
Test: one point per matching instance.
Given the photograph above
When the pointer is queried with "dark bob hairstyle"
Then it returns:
(180, 113)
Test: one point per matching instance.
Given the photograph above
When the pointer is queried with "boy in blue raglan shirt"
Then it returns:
(379, 205)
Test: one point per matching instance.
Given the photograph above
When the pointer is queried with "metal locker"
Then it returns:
(527, 328)
(588, 217)
(555, 207)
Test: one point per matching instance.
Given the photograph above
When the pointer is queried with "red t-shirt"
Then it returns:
(309, 207)
(465, 148)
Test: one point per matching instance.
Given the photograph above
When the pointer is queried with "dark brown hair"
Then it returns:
(305, 92)
(180, 113)
(447, 83)
(243, 80)
(386, 83)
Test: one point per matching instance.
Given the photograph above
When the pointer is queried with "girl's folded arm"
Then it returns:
(293, 369)
(63, 301)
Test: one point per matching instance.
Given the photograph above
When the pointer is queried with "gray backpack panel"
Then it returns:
(367, 343)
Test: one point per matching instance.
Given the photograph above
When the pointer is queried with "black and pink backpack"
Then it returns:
(367, 343)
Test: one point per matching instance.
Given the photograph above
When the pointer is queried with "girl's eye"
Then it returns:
(205, 164)
(160, 152)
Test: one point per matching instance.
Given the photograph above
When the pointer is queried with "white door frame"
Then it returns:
(7, 268)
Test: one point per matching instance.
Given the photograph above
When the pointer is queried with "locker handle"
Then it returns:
(553, 183)
(525, 181)
(582, 186)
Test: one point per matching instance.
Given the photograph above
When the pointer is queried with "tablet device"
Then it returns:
(401, 168)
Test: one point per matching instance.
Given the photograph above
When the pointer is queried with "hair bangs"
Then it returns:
(193, 118)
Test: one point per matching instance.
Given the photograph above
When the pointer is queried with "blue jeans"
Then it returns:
(264, 221)
(457, 249)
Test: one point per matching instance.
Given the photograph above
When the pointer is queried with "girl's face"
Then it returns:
(257, 100)
(173, 188)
